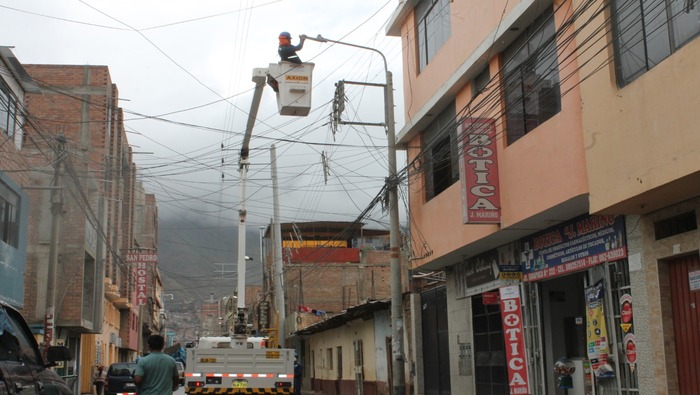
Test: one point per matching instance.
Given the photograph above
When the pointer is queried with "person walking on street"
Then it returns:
(99, 380)
(298, 374)
(156, 373)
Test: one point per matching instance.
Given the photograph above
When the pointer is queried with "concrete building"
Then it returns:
(328, 268)
(350, 353)
(83, 220)
(15, 83)
(551, 165)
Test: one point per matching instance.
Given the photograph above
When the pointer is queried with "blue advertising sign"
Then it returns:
(574, 245)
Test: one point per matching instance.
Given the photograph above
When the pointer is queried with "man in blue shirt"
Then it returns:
(287, 51)
(156, 373)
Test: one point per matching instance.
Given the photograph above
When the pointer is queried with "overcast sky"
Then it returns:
(183, 70)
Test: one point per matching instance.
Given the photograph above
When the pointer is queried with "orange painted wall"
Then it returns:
(471, 22)
(642, 136)
(541, 170)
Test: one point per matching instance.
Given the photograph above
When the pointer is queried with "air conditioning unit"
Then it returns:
(119, 342)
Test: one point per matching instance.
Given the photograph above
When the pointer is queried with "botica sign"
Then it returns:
(481, 202)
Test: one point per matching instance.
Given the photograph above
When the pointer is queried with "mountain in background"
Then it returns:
(197, 259)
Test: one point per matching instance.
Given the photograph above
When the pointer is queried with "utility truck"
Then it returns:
(240, 364)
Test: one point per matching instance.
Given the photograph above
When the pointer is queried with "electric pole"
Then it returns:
(50, 319)
(392, 183)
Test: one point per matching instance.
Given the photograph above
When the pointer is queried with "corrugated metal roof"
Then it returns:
(363, 311)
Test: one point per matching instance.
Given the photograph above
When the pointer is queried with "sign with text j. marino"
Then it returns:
(574, 245)
(481, 201)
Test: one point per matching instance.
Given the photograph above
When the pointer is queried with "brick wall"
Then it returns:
(80, 103)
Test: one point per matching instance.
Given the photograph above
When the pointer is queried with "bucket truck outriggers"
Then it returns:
(229, 365)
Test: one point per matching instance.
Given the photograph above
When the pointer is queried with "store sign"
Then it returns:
(141, 263)
(488, 298)
(490, 270)
(574, 245)
(514, 340)
(48, 328)
(597, 331)
(694, 280)
(481, 201)
(630, 345)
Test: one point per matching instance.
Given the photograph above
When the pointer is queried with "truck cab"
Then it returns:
(23, 370)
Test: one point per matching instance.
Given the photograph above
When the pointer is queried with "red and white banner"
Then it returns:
(140, 263)
(515, 344)
(481, 201)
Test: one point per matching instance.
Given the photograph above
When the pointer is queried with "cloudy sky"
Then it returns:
(183, 70)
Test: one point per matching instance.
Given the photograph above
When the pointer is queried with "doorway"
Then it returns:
(435, 339)
(684, 278)
(564, 319)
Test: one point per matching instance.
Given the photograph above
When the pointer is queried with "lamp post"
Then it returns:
(398, 382)
(164, 317)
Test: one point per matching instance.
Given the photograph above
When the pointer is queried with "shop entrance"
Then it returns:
(564, 323)
(684, 277)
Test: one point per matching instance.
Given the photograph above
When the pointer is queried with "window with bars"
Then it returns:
(648, 31)
(9, 216)
(9, 113)
(441, 150)
(432, 27)
(531, 78)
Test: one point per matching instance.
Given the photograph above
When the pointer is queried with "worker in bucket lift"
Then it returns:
(287, 51)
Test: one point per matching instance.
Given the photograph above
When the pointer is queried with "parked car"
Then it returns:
(23, 370)
(120, 379)
(181, 372)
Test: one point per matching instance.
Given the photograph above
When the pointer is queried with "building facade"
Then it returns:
(551, 177)
(327, 268)
(83, 222)
(14, 201)
(349, 353)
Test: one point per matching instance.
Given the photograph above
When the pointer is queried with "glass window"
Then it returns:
(433, 28)
(441, 150)
(8, 111)
(15, 344)
(9, 216)
(531, 78)
(4, 108)
(649, 31)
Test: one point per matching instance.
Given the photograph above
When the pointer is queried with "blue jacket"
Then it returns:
(289, 52)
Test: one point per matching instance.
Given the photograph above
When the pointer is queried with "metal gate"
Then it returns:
(533, 336)
(684, 278)
(491, 371)
(436, 356)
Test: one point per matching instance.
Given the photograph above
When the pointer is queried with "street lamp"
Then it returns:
(398, 383)
(164, 315)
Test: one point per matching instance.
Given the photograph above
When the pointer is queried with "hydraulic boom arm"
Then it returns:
(241, 322)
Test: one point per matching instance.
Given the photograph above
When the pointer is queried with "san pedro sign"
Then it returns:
(141, 263)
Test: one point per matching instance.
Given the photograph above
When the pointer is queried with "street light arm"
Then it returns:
(398, 385)
(322, 39)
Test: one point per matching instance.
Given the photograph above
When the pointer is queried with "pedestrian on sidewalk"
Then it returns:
(156, 373)
(99, 380)
(298, 373)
